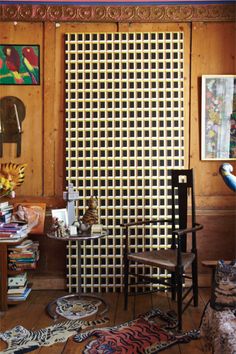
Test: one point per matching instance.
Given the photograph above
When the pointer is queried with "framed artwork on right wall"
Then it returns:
(218, 121)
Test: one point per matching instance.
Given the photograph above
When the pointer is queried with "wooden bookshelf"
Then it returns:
(4, 244)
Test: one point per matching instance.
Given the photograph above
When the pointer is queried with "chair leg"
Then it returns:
(126, 282)
(173, 286)
(195, 282)
(179, 298)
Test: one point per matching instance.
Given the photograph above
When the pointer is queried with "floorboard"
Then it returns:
(31, 314)
(161, 301)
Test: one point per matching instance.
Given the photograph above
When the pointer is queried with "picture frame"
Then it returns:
(218, 117)
(33, 214)
(19, 64)
(61, 215)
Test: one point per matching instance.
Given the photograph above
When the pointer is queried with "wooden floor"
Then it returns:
(31, 314)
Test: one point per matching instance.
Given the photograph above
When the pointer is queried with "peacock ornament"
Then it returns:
(226, 172)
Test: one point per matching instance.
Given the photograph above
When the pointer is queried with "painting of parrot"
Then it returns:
(19, 64)
(30, 61)
(226, 172)
(13, 63)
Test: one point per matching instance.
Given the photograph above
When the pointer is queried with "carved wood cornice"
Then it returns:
(74, 13)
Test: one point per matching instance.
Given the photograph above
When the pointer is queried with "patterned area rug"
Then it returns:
(76, 309)
(151, 332)
(21, 340)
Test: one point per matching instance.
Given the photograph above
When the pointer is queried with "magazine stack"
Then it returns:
(18, 289)
(6, 211)
(23, 256)
(13, 230)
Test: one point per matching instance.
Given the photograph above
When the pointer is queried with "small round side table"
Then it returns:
(89, 298)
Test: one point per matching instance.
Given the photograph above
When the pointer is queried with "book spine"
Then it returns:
(6, 218)
(22, 266)
(4, 205)
(5, 235)
(21, 296)
(17, 289)
(5, 210)
(21, 255)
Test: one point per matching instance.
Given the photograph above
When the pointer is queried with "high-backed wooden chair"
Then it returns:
(177, 258)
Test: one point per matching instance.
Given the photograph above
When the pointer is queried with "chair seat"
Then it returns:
(163, 258)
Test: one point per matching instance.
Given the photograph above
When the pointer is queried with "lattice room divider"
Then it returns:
(124, 132)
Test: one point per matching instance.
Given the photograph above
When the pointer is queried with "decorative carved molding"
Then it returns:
(74, 13)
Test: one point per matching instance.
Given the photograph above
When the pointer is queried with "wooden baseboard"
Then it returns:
(45, 282)
(50, 282)
(204, 280)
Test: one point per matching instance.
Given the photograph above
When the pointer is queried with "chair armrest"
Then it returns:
(144, 222)
(181, 232)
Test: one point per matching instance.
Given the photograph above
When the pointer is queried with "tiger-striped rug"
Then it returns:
(21, 340)
(151, 332)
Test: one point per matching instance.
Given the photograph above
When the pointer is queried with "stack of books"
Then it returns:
(12, 230)
(18, 289)
(6, 211)
(23, 256)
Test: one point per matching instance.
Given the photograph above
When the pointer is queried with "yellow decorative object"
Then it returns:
(11, 176)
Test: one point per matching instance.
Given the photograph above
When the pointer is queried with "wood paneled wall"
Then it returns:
(212, 51)
(32, 97)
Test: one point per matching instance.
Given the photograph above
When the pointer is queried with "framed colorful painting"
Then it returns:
(19, 64)
(218, 117)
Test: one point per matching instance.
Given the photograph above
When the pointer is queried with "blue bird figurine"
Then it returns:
(228, 177)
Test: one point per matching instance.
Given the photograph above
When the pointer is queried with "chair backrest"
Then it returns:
(183, 199)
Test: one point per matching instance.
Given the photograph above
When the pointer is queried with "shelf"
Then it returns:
(5, 273)
(14, 272)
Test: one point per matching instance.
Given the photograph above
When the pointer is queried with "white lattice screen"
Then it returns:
(124, 132)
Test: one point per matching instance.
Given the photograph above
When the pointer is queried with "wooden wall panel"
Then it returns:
(217, 240)
(50, 112)
(213, 52)
(32, 136)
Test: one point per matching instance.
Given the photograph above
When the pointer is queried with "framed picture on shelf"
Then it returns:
(31, 213)
(19, 64)
(61, 215)
(218, 125)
